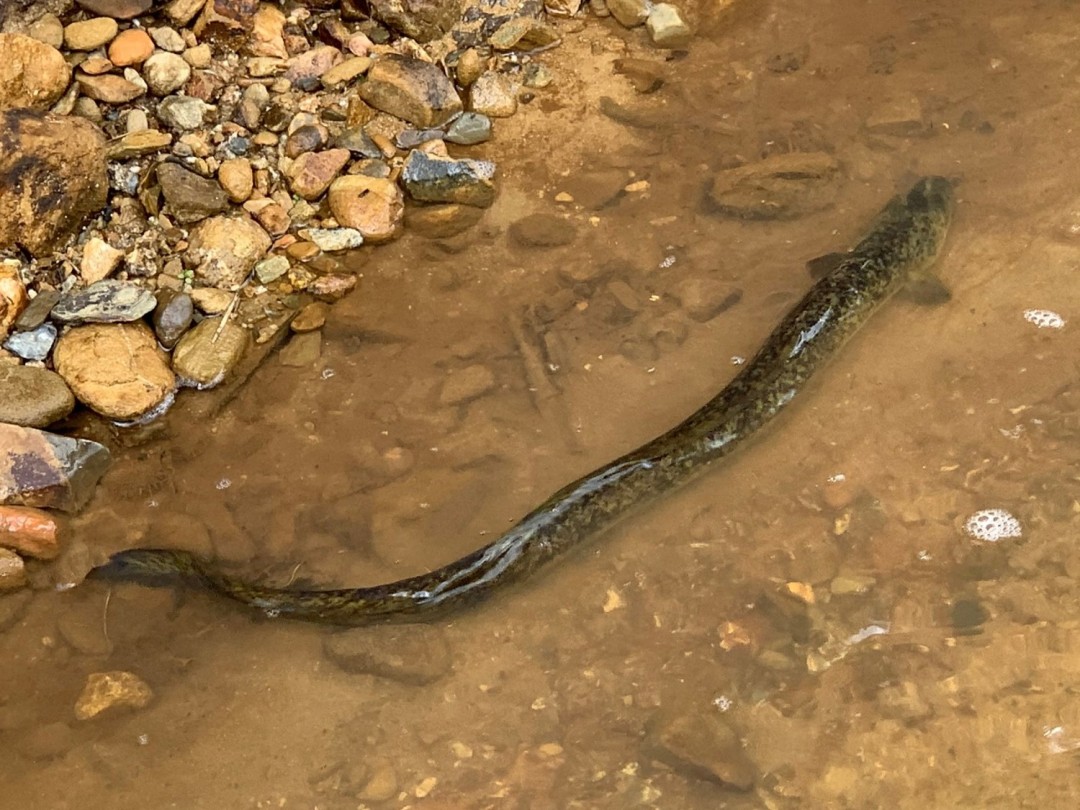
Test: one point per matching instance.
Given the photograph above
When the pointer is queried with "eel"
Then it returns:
(901, 244)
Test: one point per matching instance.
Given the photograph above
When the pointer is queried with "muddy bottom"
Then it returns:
(809, 625)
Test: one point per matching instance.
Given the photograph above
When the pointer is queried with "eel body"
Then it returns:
(903, 240)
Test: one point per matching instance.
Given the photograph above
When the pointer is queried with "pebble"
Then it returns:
(109, 89)
(302, 351)
(107, 690)
(33, 397)
(47, 470)
(205, 355)
(13, 295)
(271, 269)
(183, 113)
(200, 57)
(236, 177)
(667, 27)
(131, 47)
(166, 72)
(190, 197)
(47, 29)
(136, 144)
(629, 13)
(312, 173)
(332, 287)
(382, 785)
(494, 95)
(30, 531)
(223, 250)
(307, 138)
(34, 344)
(430, 178)
(705, 298)
(167, 39)
(415, 654)
(105, 301)
(417, 91)
(543, 230)
(32, 74)
(310, 317)
(332, 240)
(702, 745)
(99, 260)
(172, 316)
(345, 72)
(90, 35)
(469, 128)
(374, 206)
(780, 186)
(211, 301)
(115, 369)
(12, 571)
(442, 221)
(467, 384)
(37, 310)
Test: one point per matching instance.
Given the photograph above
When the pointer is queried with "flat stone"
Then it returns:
(310, 318)
(33, 397)
(48, 471)
(781, 186)
(190, 197)
(901, 116)
(467, 384)
(34, 344)
(306, 68)
(704, 746)
(522, 33)
(211, 301)
(666, 27)
(117, 9)
(109, 89)
(105, 691)
(543, 230)
(705, 298)
(430, 178)
(206, 355)
(183, 113)
(99, 260)
(422, 20)
(166, 73)
(37, 310)
(332, 240)
(415, 654)
(172, 316)
(442, 221)
(29, 531)
(357, 141)
(116, 370)
(469, 128)
(310, 138)
(136, 144)
(414, 90)
(223, 250)
(311, 174)
(32, 74)
(374, 206)
(271, 269)
(105, 301)
(59, 164)
(332, 287)
(493, 95)
(345, 72)
(302, 350)
(89, 35)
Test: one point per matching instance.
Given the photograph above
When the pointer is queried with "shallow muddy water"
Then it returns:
(931, 669)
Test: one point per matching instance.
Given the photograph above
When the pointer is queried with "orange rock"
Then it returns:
(13, 298)
(131, 47)
(29, 531)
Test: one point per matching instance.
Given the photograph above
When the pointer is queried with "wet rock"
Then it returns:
(345, 72)
(629, 13)
(44, 470)
(166, 73)
(469, 128)
(237, 179)
(99, 260)
(311, 174)
(208, 353)
(32, 74)
(302, 351)
(667, 27)
(29, 531)
(703, 746)
(108, 690)
(901, 117)
(271, 269)
(381, 785)
(84, 632)
(37, 310)
(373, 206)
(415, 654)
(183, 113)
(13, 296)
(310, 318)
(109, 89)
(106, 301)
(33, 397)
(117, 9)
(422, 20)
(131, 47)
(442, 221)
(705, 298)
(597, 189)
(49, 741)
(274, 219)
(211, 301)
(543, 230)
(416, 91)
(91, 34)
(116, 370)
(253, 103)
(333, 240)
(306, 68)
(189, 196)
(357, 141)
(136, 144)
(60, 166)
(430, 178)
(223, 250)
(522, 33)
(902, 701)
(646, 75)
(332, 287)
(12, 571)
(34, 344)
(467, 384)
(172, 317)
(781, 186)
(493, 95)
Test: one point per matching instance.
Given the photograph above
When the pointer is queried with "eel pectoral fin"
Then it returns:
(925, 289)
(821, 266)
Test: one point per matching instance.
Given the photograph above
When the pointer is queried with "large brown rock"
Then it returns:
(190, 196)
(32, 74)
(374, 206)
(42, 469)
(116, 369)
(223, 250)
(412, 89)
(33, 397)
(423, 20)
(52, 177)
(117, 9)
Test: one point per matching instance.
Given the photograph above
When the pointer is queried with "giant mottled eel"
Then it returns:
(904, 239)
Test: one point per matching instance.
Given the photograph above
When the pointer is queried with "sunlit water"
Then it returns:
(933, 669)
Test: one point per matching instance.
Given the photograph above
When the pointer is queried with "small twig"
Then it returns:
(105, 617)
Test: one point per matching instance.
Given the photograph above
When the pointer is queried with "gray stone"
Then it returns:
(409, 653)
(183, 113)
(331, 240)
(34, 344)
(704, 746)
(422, 20)
(667, 27)
(166, 72)
(205, 355)
(357, 141)
(33, 397)
(172, 317)
(437, 179)
(38, 310)
(493, 95)
(272, 269)
(411, 138)
(412, 89)
(190, 196)
(469, 128)
(543, 230)
(45, 470)
(106, 301)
